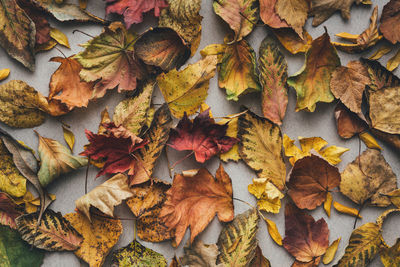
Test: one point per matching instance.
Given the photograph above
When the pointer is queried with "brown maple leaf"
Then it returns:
(195, 200)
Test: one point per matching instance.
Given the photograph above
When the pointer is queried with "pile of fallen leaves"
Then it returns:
(126, 147)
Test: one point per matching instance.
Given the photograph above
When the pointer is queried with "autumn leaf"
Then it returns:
(59, 37)
(54, 232)
(310, 181)
(16, 252)
(348, 84)
(232, 131)
(273, 77)
(391, 139)
(17, 34)
(55, 160)
(312, 81)
(381, 51)
(328, 204)
(394, 61)
(305, 239)
(146, 204)
(135, 254)
(364, 244)
(157, 136)
(391, 256)
(291, 41)
(294, 12)
(99, 236)
(269, 16)
(348, 123)
(369, 141)
(162, 47)
(9, 211)
(363, 41)
(368, 177)
(202, 136)
(237, 241)
(240, 15)
(379, 75)
(346, 210)
(132, 10)
(32, 203)
(186, 90)
(109, 58)
(105, 196)
(69, 137)
(260, 147)
(199, 254)
(74, 91)
(4, 74)
(204, 196)
(268, 196)
(237, 70)
(390, 21)
(273, 231)
(331, 251)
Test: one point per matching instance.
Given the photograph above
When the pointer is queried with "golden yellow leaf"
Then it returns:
(69, 137)
(232, 131)
(394, 197)
(328, 204)
(381, 51)
(273, 231)
(268, 196)
(59, 37)
(186, 90)
(394, 62)
(331, 252)
(100, 236)
(214, 50)
(292, 42)
(347, 210)
(369, 140)
(31, 203)
(4, 74)
(390, 257)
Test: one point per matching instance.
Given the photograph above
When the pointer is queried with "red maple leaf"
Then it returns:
(116, 151)
(203, 136)
(132, 10)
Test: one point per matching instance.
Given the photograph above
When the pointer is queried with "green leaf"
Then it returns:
(135, 254)
(56, 160)
(14, 252)
(237, 242)
(54, 233)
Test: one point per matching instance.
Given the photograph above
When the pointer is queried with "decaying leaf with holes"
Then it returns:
(135, 254)
(260, 147)
(146, 204)
(199, 254)
(368, 178)
(294, 12)
(185, 90)
(268, 196)
(54, 233)
(204, 196)
(9, 211)
(99, 236)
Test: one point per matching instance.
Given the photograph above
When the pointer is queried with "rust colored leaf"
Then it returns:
(347, 122)
(390, 21)
(9, 211)
(269, 16)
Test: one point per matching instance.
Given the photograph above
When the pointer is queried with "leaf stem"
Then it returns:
(358, 214)
(87, 174)
(91, 36)
(182, 159)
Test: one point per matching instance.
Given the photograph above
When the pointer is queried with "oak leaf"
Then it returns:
(199, 254)
(105, 196)
(273, 77)
(348, 123)
(9, 211)
(54, 233)
(202, 136)
(291, 41)
(269, 16)
(260, 147)
(99, 237)
(186, 90)
(268, 196)
(132, 10)
(294, 12)
(195, 200)
(390, 18)
(305, 238)
(312, 81)
(310, 181)
(368, 177)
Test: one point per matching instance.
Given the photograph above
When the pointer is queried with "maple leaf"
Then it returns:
(74, 91)
(195, 200)
(268, 196)
(390, 21)
(202, 136)
(310, 181)
(305, 238)
(9, 211)
(116, 151)
(132, 10)
(294, 12)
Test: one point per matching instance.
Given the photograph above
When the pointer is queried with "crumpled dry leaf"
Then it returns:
(162, 47)
(9, 211)
(237, 241)
(105, 196)
(203, 196)
(269, 16)
(348, 123)
(310, 181)
(368, 177)
(268, 196)
(17, 33)
(186, 90)
(346, 210)
(199, 254)
(291, 41)
(237, 70)
(99, 237)
(311, 82)
(273, 77)
(53, 234)
(394, 61)
(294, 12)
(305, 239)
(331, 251)
(390, 18)
(240, 15)
(363, 41)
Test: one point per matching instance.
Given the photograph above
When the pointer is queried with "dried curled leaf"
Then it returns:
(294, 12)
(268, 196)
(261, 147)
(324, 9)
(346, 210)
(390, 21)
(199, 254)
(381, 51)
(237, 241)
(369, 141)
(54, 232)
(69, 137)
(186, 90)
